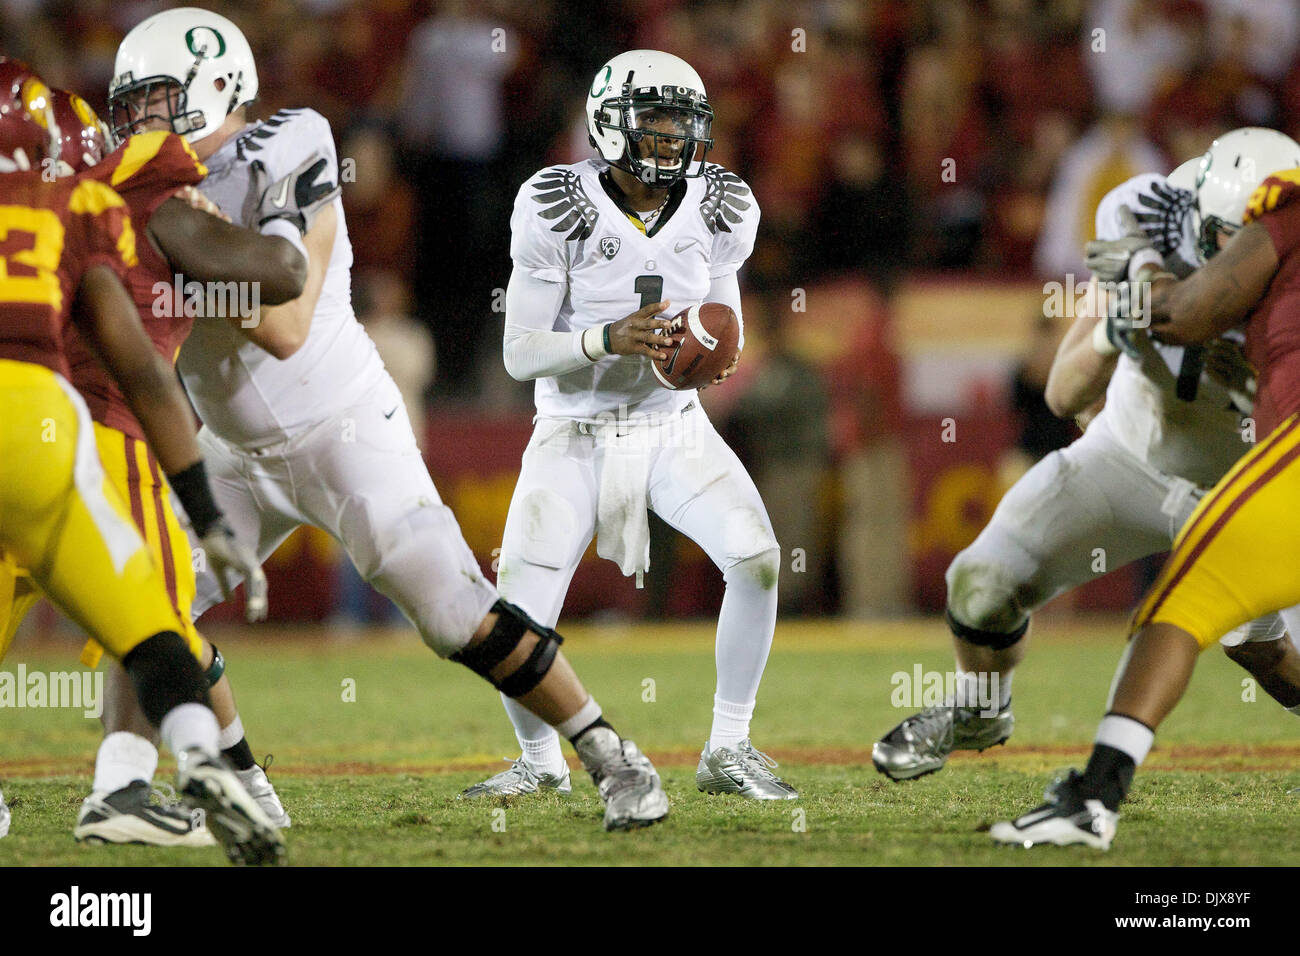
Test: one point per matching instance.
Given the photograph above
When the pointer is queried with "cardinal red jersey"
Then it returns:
(50, 234)
(146, 171)
(1273, 330)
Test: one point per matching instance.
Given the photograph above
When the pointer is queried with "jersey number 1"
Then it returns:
(650, 289)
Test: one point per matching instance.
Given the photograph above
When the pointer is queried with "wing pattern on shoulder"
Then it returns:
(724, 202)
(560, 192)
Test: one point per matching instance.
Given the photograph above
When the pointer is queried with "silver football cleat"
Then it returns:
(520, 779)
(921, 743)
(743, 770)
(259, 787)
(625, 778)
(233, 817)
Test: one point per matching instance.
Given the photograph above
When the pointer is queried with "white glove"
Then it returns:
(1108, 259)
(226, 555)
(297, 197)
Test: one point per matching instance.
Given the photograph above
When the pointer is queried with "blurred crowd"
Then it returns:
(883, 139)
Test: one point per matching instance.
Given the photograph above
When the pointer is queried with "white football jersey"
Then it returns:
(566, 228)
(1166, 410)
(244, 394)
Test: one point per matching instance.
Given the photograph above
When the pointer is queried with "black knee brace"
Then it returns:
(216, 668)
(511, 626)
(991, 639)
(165, 675)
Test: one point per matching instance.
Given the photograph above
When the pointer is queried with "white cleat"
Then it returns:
(260, 789)
(233, 816)
(4, 817)
(130, 815)
(1066, 819)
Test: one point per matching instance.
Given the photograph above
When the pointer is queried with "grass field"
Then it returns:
(374, 781)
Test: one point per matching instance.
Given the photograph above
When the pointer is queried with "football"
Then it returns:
(710, 335)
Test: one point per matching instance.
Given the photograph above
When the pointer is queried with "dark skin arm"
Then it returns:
(108, 320)
(1218, 296)
(206, 248)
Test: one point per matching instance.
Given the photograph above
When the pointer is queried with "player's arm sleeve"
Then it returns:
(726, 289)
(531, 347)
(735, 229)
(538, 284)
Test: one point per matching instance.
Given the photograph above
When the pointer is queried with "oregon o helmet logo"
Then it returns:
(201, 47)
(603, 81)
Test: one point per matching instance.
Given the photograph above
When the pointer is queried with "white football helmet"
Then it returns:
(648, 114)
(1184, 174)
(188, 67)
(1233, 167)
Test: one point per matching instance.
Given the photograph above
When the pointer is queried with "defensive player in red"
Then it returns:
(155, 173)
(67, 245)
(1234, 559)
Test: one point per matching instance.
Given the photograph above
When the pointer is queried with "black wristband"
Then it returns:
(609, 349)
(191, 487)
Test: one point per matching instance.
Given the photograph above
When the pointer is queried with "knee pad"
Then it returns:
(980, 592)
(763, 569)
(165, 675)
(506, 635)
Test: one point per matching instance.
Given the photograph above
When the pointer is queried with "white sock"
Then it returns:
(188, 727)
(973, 689)
(1004, 689)
(538, 740)
(745, 627)
(231, 734)
(730, 723)
(1126, 734)
(587, 715)
(123, 758)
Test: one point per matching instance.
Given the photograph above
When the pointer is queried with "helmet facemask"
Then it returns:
(136, 104)
(1207, 240)
(666, 132)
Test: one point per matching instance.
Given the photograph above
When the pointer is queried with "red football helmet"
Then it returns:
(29, 134)
(82, 139)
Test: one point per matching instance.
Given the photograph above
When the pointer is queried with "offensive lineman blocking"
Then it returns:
(304, 425)
(1172, 425)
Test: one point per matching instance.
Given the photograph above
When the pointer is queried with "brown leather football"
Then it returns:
(710, 334)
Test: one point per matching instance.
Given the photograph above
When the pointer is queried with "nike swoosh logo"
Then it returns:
(282, 196)
(683, 246)
(392, 413)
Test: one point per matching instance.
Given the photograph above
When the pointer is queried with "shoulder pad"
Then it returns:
(726, 199)
(563, 202)
(1273, 193)
(147, 162)
(299, 131)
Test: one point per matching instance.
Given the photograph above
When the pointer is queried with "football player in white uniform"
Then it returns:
(1173, 423)
(303, 424)
(600, 249)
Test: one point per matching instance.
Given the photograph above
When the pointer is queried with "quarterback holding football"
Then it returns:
(601, 248)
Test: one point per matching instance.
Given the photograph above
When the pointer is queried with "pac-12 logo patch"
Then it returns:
(609, 246)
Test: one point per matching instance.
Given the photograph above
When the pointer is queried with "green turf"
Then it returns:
(374, 781)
